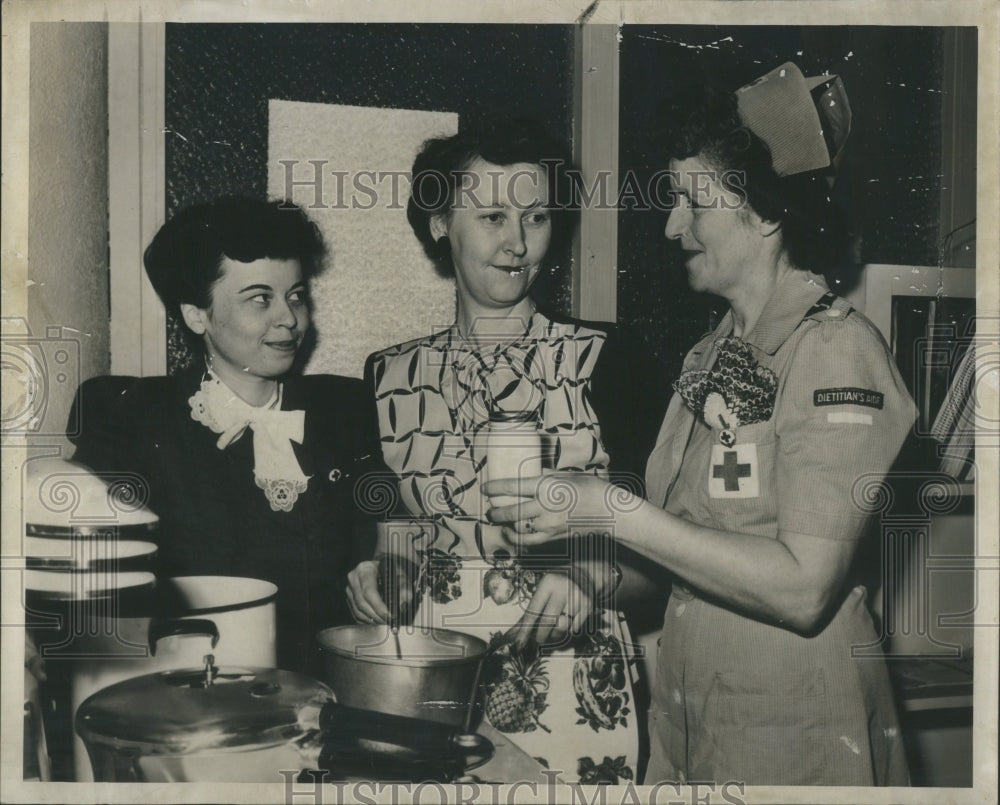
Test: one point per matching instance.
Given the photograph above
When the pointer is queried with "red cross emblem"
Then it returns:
(730, 471)
(733, 471)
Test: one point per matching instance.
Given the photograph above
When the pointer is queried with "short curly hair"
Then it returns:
(705, 122)
(441, 161)
(184, 259)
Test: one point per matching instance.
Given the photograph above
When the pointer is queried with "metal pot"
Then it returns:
(429, 674)
(207, 724)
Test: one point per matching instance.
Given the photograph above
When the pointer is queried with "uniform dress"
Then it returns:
(743, 700)
(572, 708)
(215, 518)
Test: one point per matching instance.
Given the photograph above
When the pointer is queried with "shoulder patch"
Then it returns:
(849, 395)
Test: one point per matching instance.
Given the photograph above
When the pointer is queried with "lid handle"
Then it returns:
(158, 629)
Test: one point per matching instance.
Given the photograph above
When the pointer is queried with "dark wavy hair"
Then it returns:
(184, 259)
(441, 161)
(703, 121)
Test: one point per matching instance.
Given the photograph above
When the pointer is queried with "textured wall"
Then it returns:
(68, 202)
(891, 181)
(379, 287)
(220, 78)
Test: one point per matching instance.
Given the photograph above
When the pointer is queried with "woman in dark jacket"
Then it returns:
(247, 464)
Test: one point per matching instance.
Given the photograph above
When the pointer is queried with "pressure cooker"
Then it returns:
(207, 724)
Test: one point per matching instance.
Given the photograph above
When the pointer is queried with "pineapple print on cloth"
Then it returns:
(570, 707)
(517, 685)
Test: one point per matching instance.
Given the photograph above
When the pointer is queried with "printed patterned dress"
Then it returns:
(571, 707)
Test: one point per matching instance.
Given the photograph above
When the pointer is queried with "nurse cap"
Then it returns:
(804, 121)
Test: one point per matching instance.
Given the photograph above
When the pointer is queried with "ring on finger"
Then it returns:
(529, 525)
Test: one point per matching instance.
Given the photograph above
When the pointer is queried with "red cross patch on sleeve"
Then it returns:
(734, 472)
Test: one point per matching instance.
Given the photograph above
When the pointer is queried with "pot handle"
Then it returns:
(158, 629)
(477, 754)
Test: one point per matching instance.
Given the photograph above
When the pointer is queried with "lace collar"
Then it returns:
(276, 470)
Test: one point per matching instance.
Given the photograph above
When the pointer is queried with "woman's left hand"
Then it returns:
(548, 500)
(559, 607)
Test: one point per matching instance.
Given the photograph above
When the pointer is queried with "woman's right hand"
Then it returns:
(383, 590)
(547, 501)
(363, 595)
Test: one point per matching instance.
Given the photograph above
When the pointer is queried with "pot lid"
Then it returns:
(44, 552)
(60, 494)
(179, 713)
(85, 586)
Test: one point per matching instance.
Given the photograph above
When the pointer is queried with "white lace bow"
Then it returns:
(276, 470)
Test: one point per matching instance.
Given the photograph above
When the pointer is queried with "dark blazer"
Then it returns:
(214, 520)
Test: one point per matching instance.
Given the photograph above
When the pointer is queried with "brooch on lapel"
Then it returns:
(738, 391)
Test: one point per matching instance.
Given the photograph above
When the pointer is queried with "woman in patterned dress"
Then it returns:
(489, 206)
